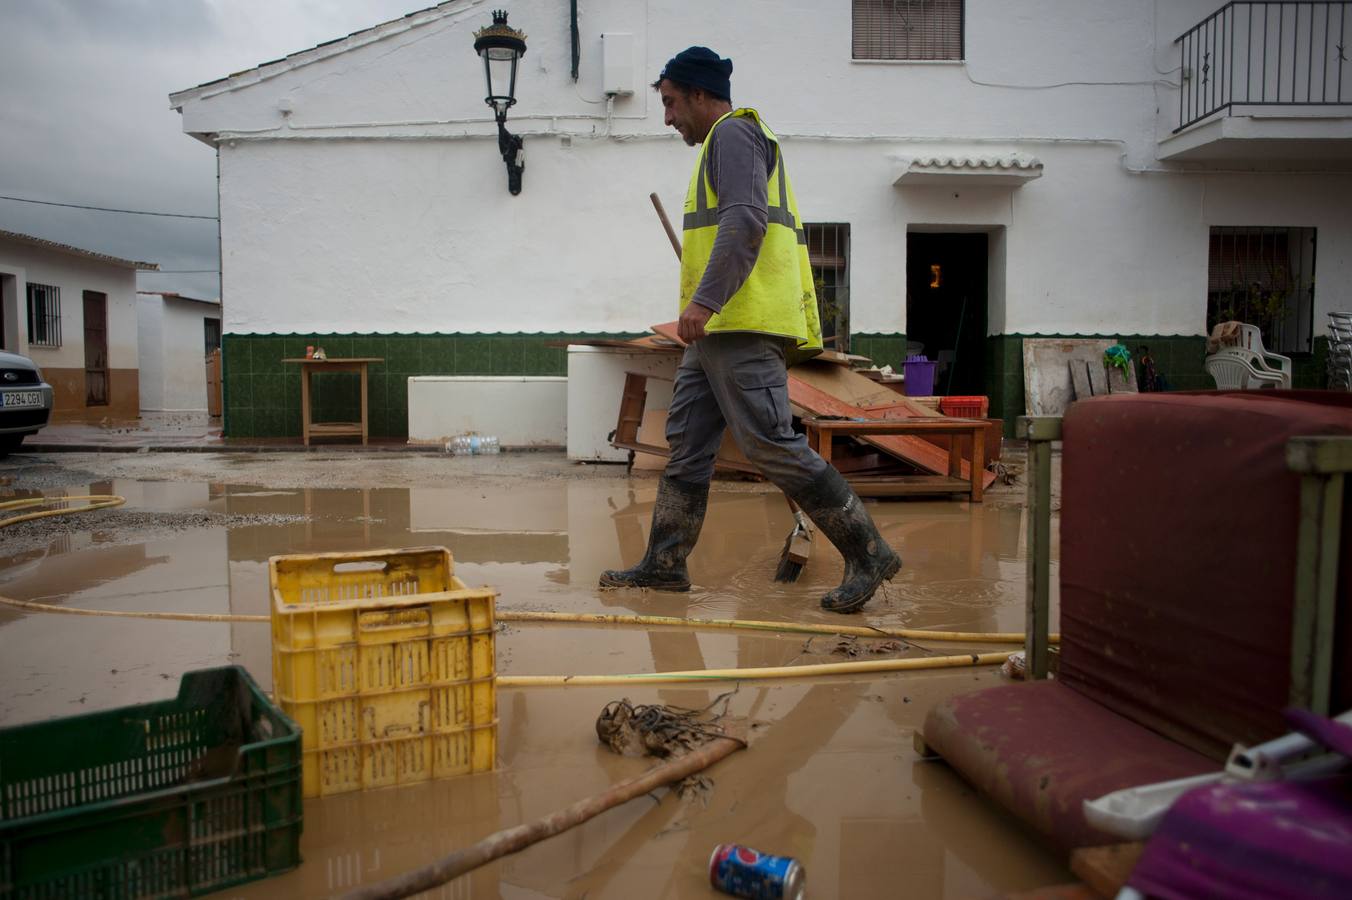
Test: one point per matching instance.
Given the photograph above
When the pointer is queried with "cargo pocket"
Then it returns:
(765, 397)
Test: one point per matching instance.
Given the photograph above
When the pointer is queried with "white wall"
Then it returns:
(74, 275)
(172, 353)
(150, 350)
(379, 202)
(12, 306)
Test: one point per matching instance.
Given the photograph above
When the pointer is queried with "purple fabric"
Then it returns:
(1255, 841)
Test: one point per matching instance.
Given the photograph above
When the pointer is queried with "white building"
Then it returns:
(73, 312)
(175, 335)
(974, 171)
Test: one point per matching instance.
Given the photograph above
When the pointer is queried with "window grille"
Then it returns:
(1264, 276)
(211, 329)
(44, 315)
(908, 29)
(828, 252)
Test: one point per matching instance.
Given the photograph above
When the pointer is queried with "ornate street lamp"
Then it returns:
(501, 46)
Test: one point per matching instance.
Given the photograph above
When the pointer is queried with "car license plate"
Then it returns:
(20, 399)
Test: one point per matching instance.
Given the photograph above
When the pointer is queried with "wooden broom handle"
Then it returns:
(513, 839)
(666, 223)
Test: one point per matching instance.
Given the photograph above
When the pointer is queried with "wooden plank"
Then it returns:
(1106, 868)
(305, 413)
(1079, 379)
(907, 485)
(910, 448)
(668, 331)
(633, 398)
(841, 359)
(647, 343)
(1098, 379)
(849, 386)
(332, 429)
(1120, 382)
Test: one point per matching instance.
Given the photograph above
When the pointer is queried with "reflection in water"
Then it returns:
(829, 777)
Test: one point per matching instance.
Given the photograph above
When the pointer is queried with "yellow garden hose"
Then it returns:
(30, 606)
(93, 501)
(508, 615)
(875, 631)
(761, 673)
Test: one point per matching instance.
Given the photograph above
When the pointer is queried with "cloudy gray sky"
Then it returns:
(84, 88)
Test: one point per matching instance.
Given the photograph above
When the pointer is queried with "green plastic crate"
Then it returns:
(169, 799)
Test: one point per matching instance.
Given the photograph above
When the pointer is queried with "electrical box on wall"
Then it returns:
(617, 63)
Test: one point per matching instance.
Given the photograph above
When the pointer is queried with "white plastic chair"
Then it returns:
(1235, 368)
(1251, 338)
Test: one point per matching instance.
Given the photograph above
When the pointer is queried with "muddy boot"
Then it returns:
(677, 517)
(834, 508)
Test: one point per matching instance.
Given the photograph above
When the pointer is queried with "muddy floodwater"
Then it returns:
(830, 776)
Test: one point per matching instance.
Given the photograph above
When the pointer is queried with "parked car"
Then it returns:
(25, 400)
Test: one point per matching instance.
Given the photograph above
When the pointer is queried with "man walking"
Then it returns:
(748, 309)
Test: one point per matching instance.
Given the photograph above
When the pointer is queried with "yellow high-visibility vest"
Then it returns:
(779, 296)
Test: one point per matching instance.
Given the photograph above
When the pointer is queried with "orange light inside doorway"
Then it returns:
(938, 276)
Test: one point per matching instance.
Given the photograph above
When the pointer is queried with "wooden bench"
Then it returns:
(820, 431)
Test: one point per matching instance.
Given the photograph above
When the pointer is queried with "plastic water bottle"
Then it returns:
(472, 445)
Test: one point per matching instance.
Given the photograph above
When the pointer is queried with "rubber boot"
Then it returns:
(837, 511)
(677, 518)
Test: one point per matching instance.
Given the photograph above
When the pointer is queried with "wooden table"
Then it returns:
(308, 367)
(821, 431)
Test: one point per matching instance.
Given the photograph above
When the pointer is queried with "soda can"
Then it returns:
(743, 872)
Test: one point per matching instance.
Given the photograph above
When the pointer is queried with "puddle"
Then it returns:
(830, 779)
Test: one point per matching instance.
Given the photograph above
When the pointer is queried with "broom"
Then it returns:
(798, 545)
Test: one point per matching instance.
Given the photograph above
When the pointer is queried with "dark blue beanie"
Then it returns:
(702, 68)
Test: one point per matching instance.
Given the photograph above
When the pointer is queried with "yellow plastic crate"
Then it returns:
(386, 661)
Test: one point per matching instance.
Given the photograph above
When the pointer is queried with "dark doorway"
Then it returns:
(946, 306)
(96, 348)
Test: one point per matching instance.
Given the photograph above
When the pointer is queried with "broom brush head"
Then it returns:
(797, 548)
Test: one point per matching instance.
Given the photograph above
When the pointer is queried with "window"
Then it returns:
(44, 315)
(908, 29)
(211, 329)
(1264, 277)
(828, 251)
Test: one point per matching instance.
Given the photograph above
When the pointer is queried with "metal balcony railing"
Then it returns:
(1273, 53)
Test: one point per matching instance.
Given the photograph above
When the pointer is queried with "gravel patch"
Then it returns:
(121, 525)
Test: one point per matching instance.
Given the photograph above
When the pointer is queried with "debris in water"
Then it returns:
(659, 730)
(667, 731)
(853, 647)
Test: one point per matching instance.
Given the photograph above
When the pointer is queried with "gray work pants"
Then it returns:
(737, 380)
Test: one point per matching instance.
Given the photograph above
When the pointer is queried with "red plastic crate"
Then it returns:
(965, 407)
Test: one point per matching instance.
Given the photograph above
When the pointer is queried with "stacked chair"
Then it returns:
(1340, 351)
(1249, 365)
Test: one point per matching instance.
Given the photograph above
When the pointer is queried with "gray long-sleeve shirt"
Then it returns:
(740, 158)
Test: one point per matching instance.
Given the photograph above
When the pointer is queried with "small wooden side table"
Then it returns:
(308, 367)
(820, 432)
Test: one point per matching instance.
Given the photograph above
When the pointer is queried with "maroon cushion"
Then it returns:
(1178, 539)
(1040, 749)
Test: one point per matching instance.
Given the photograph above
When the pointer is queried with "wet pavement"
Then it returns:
(830, 777)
